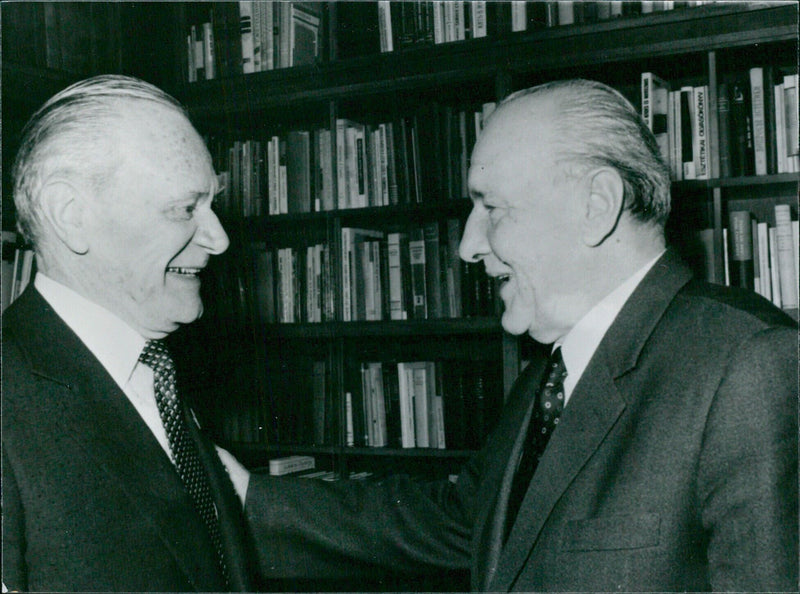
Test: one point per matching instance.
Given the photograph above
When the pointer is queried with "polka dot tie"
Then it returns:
(546, 414)
(184, 450)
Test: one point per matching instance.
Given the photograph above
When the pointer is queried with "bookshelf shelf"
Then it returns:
(430, 327)
(738, 182)
(249, 449)
(657, 35)
(436, 208)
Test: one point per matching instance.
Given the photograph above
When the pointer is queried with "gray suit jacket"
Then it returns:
(674, 467)
(90, 499)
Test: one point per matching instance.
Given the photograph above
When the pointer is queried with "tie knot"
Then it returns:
(155, 355)
(557, 370)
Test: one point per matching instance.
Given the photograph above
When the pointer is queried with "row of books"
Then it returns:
(418, 158)
(232, 38)
(762, 255)
(757, 125)
(18, 268)
(447, 403)
(385, 276)
(404, 24)
(420, 404)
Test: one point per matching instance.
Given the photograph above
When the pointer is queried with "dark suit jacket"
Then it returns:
(674, 467)
(90, 499)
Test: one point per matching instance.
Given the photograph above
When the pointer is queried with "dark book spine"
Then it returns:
(392, 395)
(743, 162)
(433, 271)
(741, 249)
(723, 113)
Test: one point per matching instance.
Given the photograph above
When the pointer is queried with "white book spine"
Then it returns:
(208, 52)
(775, 268)
(782, 156)
(784, 240)
(763, 259)
(348, 412)
(478, 18)
(246, 34)
(385, 26)
(700, 141)
(404, 374)
(759, 127)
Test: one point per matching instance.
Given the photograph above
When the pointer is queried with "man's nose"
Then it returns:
(475, 243)
(210, 233)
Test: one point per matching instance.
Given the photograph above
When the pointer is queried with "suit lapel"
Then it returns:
(594, 407)
(510, 438)
(99, 417)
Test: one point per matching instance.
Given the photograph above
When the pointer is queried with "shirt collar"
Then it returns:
(581, 342)
(115, 344)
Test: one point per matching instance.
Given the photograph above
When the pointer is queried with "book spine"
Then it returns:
(396, 305)
(405, 377)
(741, 253)
(781, 154)
(676, 160)
(416, 248)
(762, 235)
(268, 36)
(341, 167)
(478, 18)
(723, 113)
(246, 33)
(687, 132)
(741, 131)
(759, 124)
(774, 267)
(790, 104)
(433, 271)
(700, 140)
(783, 235)
(347, 263)
(290, 464)
(421, 406)
(349, 438)
(208, 51)
(385, 26)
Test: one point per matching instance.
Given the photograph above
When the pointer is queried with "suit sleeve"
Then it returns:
(748, 471)
(306, 528)
(14, 574)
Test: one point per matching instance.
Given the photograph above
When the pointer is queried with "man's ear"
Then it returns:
(63, 206)
(603, 205)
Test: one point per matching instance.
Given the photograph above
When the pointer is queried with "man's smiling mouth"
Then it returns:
(184, 271)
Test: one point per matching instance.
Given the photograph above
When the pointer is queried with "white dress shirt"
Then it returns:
(580, 343)
(117, 347)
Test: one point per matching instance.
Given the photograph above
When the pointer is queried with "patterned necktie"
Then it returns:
(546, 413)
(184, 450)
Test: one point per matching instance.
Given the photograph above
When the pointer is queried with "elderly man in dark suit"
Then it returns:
(663, 448)
(107, 482)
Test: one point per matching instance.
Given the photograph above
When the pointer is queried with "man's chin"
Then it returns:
(514, 324)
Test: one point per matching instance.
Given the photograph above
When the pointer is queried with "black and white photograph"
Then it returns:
(400, 296)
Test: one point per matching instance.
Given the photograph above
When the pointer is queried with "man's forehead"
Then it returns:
(512, 133)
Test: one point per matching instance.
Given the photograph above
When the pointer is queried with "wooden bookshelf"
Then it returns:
(352, 79)
(687, 44)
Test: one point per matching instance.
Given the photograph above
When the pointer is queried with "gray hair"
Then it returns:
(72, 135)
(601, 128)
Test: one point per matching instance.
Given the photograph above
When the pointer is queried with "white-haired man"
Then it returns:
(671, 404)
(107, 483)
